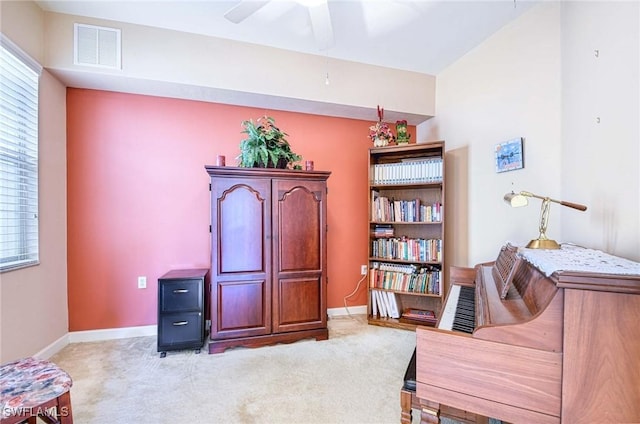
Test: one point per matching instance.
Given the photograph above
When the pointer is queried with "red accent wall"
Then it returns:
(138, 195)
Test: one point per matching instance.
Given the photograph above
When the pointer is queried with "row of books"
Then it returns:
(418, 170)
(407, 249)
(405, 278)
(384, 304)
(384, 209)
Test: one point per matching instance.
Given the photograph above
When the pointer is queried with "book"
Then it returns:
(381, 304)
(393, 305)
(382, 230)
(375, 205)
(387, 306)
(374, 304)
(421, 315)
(417, 322)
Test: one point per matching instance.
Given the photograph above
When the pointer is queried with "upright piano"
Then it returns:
(548, 336)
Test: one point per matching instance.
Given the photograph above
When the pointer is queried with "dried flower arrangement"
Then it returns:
(380, 133)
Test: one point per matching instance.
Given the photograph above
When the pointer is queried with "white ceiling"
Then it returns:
(423, 36)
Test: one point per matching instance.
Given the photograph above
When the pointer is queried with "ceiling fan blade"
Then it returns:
(243, 10)
(321, 24)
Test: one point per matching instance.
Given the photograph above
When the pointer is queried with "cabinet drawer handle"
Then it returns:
(179, 323)
(181, 291)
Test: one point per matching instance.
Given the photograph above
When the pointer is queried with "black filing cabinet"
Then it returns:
(181, 323)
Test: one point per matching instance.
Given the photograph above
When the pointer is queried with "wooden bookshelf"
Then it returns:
(406, 232)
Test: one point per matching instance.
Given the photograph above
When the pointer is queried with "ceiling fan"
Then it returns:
(318, 14)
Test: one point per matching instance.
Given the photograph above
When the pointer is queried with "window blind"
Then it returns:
(19, 79)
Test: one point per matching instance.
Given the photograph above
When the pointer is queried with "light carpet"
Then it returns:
(353, 377)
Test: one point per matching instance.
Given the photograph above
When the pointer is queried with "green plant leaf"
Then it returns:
(264, 143)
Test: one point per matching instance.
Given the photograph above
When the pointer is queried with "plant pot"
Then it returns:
(282, 164)
(380, 142)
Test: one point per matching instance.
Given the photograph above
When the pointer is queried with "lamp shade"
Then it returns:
(516, 199)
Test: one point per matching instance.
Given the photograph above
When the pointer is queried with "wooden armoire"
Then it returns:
(268, 256)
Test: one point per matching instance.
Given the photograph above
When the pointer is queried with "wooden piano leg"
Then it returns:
(429, 412)
(406, 398)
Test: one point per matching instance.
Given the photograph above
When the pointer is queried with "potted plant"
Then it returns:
(403, 137)
(266, 146)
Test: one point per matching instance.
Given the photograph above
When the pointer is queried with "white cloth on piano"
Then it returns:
(575, 258)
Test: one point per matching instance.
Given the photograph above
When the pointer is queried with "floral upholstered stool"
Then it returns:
(31, 388)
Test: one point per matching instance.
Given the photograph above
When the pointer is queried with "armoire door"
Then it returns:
(240, 257)
(299, 255)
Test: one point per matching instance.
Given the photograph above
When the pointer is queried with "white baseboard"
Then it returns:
(353, 310)
(53, 348)
(112, 333)
(145, 330)
(95, 336)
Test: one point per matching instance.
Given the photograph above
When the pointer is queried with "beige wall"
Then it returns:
(507, 87)
(23, 22)
(600, 161)
(190, 65)
(538, 78)
(33, 301)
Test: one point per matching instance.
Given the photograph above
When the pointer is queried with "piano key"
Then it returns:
(449, 310)
(465, 318)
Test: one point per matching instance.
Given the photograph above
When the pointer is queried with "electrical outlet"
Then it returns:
(363, 270)
(142, 282)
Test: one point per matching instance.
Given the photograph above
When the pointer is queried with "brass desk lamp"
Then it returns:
(520, 199)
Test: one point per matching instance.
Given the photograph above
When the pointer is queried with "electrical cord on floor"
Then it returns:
(364, 277)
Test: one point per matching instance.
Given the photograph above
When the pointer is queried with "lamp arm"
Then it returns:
(577, 206)
(529, 194)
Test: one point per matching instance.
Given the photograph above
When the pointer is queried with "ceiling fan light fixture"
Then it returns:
(244, 9)
(318, 10)
(311, 3)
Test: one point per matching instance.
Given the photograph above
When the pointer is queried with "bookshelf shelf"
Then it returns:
(407, 185)
(392, 322)
(409, 293)
(406, 233)
(407, 222)
(400, 261)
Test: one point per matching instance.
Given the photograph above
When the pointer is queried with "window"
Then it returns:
(19, 75)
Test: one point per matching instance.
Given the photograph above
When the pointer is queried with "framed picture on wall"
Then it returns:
(509, 155)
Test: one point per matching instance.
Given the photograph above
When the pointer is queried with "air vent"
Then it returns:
(96, 46)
